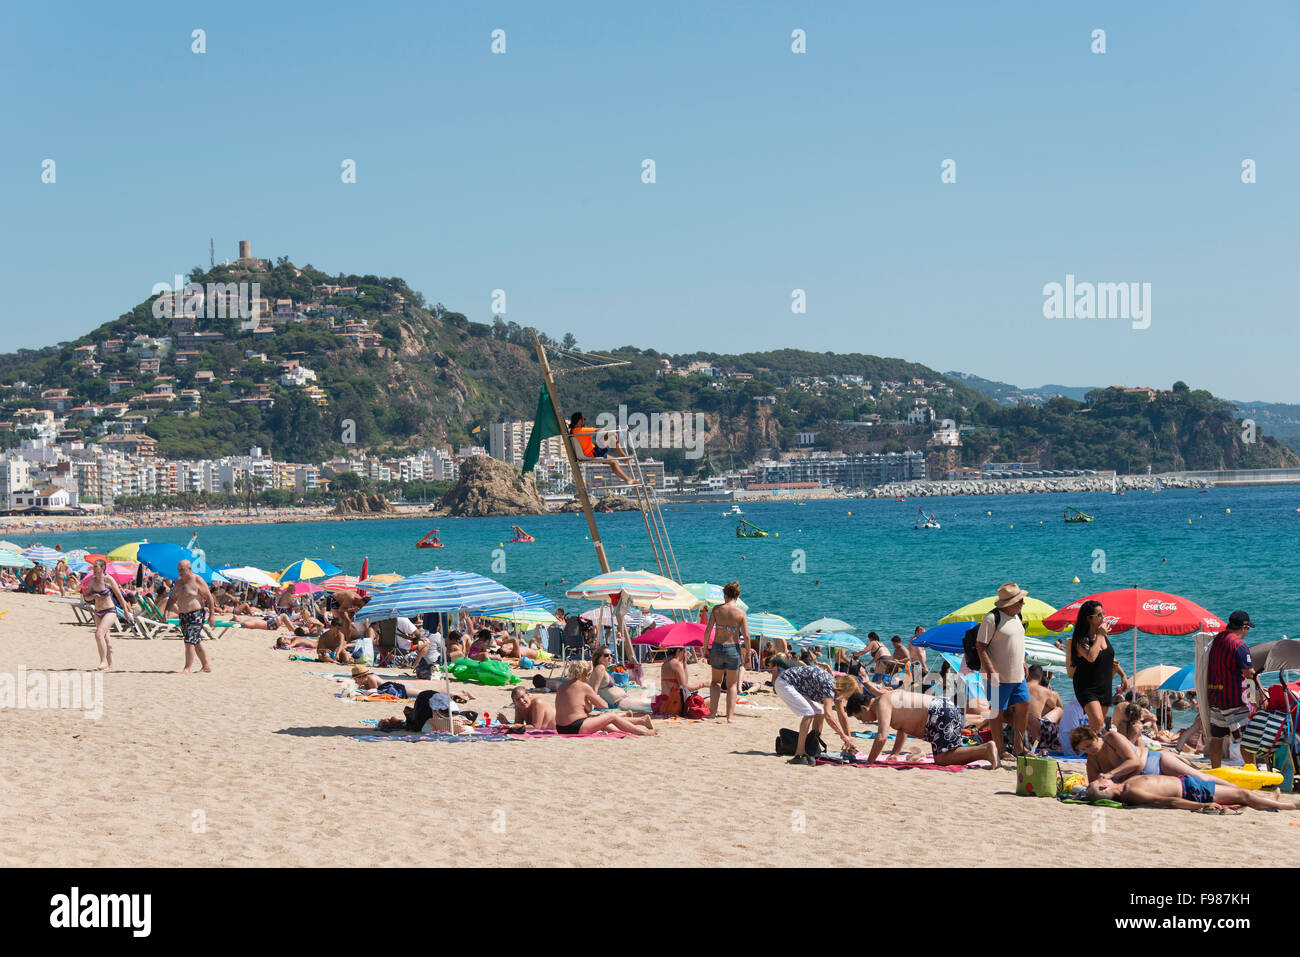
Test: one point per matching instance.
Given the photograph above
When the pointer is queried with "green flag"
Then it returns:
(545, 426)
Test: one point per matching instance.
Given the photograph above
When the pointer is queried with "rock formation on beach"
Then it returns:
(613, 503)
(488, 487)
(362, 504)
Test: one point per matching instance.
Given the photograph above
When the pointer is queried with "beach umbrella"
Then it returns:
(121, 572)
(710, 594)
(164, 558)
(378, 582)
(304, 588)
(308, 568)
(44, 555)
(831, 640)
(1039, 652)
(1150, 679)
(78, 566)
(126, 553)
(532, 600)
(525, 616)
(249, 575)
(340, 583)
(1184, 679)
(7, 546)
(11, 559)
(643, 588)
(439, 590)
(1033, 613)
(948, 638)
(767, 625)
(1141, 609)
(603, 616)
(677, 634)
(1283, 654)
(827, 626)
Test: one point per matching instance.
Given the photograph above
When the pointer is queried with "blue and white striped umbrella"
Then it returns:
(771, 626)
(10, 559)
(439, 590)
(831, 640)
(44, 555)
(532, 602)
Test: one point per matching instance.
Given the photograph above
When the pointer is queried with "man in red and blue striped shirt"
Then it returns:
(1229, 664)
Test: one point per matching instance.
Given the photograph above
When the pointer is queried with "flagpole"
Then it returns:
(578, 483)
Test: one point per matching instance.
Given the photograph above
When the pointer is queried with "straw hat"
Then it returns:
(1009, 594)
(359, 671)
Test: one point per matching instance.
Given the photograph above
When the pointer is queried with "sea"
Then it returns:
(860, 560)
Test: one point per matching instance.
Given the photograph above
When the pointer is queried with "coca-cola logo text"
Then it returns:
(1161, 609)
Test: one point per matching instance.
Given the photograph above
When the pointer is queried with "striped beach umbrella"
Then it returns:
(1033, 613)
(306, 569)
(339, 583)
(767, 625)
(710, 594)
(377, 583)
(643, 588)
(439, 590)
(831, 640)
(44, 555)
(525, 616)
(249, 575)
(10, 559)
(532, 600)
(127, 552)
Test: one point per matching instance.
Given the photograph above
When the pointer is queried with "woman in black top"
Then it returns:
(1090, 661)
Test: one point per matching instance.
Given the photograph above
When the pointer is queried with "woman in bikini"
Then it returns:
(610, 693)
(574, 701)
(727, 626)
(103, 591)
(674, 684)
(1112, 757)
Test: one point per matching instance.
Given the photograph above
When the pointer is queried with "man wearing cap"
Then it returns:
(1001, 645)
(1229, 664)
(368, 681)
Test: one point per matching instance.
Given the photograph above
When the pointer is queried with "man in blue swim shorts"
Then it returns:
(1188, 793)
(1001, 645)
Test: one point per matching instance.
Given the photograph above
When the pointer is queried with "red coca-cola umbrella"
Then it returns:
(1141, 609)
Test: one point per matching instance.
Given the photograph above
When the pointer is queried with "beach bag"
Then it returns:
(970, 648)
(695, 707)
(787, 741)
(1035, 776)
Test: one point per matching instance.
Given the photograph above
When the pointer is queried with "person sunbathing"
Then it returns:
(332, 646)
(296, 642)
(674, 684)
(1113, 757)
(483, 649)
(367, 680)
(263, 621)
(574, 701)
(1187, 792)
(530, 712)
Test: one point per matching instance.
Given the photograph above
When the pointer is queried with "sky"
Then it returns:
(774, 171)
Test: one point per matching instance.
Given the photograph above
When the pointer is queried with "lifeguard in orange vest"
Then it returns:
(586, 437)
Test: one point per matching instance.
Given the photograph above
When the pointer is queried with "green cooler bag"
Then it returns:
(1036, 777)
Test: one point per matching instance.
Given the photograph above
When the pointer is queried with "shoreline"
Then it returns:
(1030, 486)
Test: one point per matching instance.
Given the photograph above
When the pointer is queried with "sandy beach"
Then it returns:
(256, 764)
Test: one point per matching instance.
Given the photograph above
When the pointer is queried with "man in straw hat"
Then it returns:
(1001, 644)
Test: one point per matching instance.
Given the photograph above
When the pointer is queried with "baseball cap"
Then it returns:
(1238, 618)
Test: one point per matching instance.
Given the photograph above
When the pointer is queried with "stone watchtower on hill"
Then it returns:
(246, 257)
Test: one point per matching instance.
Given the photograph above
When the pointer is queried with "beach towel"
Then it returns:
(860, 761)
(479, 735)
(358, 696)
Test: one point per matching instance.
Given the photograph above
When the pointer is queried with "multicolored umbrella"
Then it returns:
(766, 625)
(249, 575)
(532, 600)
(127, 552)
(526, 616)
(1151, 679)
(1033, 613)
(44, 555)
(340, 583)
(710, 594)
(306, 569)
(643, 588)
(378, 582)
(831, 640)
(10, 559)
(1184, 679)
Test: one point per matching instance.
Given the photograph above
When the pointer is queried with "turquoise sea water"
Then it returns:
(870, 568)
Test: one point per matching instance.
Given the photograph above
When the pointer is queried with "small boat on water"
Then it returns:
(735, 510)
(430, 541)
(749, 530)
(899, 498)
(924, 521)
(1157, 487)
(521, 535)
(1114, 486)
(1075, 517)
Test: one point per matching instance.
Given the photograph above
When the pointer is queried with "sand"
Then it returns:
(255, 764)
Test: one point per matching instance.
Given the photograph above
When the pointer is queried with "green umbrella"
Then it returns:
(826, 626)
(710, 594)
(771, 626)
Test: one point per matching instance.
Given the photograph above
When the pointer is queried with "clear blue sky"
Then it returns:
(775, 171)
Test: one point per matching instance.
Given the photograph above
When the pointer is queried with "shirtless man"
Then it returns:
(194, 608)
(937, 720)
(1188, 793)
(916, 655)
(333, 645)
(530, 712)
(1045, 709)
(574, 701)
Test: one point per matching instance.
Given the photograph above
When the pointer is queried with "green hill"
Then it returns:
(429, 375)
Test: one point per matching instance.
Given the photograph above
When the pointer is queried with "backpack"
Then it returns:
(787, 741)
(695, 707)
(970, 647)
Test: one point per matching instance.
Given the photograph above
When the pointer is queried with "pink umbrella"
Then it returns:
(340, 583)
(306, 588)
(677, 635)
(121, 572)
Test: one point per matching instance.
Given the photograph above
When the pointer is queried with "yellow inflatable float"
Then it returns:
(1248, 777)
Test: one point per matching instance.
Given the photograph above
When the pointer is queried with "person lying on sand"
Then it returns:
(574, 701)
(266, 621)
(296, 642)
(937, 720)
(1112, 757)
(530, 712)
(367, 680)
(1188, 793)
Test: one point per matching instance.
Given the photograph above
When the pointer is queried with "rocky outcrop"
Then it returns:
(489, 487)
(362, 504)
(609, 503)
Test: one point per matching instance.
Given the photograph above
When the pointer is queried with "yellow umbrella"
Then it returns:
(1033, 613)
(126, 553)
